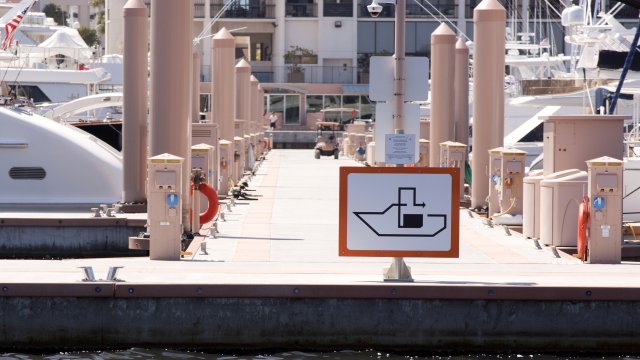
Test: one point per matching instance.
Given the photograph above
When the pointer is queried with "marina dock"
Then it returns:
(271, 278)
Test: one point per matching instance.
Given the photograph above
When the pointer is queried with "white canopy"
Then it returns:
(66, 41)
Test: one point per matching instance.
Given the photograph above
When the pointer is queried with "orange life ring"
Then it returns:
(266, 144)
(214, 203)
(583, 224)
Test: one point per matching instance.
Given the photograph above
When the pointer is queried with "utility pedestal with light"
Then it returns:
(164, 209)
(605, 211)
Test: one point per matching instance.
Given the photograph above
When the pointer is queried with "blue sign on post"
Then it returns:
(172, 199)
(598, 202)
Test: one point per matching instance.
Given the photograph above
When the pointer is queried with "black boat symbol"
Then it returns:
(409, 219)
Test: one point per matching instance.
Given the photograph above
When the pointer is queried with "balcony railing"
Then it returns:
(245, 11)
(302, 10)
(447, 8)
(338, 10)
(312, 74)
(198, 9)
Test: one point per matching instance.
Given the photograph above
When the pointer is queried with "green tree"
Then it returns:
(55, 12)
(99, 4)
(89, 36)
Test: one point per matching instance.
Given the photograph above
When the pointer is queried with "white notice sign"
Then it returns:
(399, 212)
(400, 149)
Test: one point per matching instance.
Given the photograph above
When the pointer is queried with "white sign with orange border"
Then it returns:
(399, 212)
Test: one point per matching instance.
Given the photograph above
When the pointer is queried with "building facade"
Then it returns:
(293, 44)
(79, 13)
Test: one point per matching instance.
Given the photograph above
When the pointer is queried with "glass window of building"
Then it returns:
(301, 8)
(292, 110)
(205, 100)
(332, 101)
(338, 8)
(367, 108)
(314, 103)
(287, 106)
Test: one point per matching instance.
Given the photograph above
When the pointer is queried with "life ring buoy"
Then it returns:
(583, 224)
(214, 203)
(212, 196)
(266, 144)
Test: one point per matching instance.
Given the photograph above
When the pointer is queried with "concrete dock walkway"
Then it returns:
(272, 278)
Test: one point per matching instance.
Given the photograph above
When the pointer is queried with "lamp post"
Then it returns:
(398, 269)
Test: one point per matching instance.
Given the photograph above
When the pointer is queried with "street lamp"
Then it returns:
(398, 269)
(375, 8)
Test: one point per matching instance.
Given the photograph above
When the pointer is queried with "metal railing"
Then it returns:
(301, 10)
(338, 10)
(312, 74)
(237, 11)
(198, 9)
(447, 8)
(245, 11)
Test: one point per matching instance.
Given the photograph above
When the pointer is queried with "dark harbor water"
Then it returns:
(138, 353)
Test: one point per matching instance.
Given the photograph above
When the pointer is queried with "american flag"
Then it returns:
(11, 27)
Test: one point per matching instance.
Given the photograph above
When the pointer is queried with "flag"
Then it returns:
(11, 27)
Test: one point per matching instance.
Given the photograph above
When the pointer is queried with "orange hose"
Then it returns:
(583, 223)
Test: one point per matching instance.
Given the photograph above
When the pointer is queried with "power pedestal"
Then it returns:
(605, 211)
(164, 207)
(454, 154)
(423, 159)
(203, 158)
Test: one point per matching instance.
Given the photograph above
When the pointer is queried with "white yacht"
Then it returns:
(50, 63)
(46, 162)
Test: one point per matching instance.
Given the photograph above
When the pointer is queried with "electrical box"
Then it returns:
(512, 171)
(423, 157)
(360, 144)
(425, 129)
(454, 154)
(226, 165)
(238, 158)
(204, 133)
(346, 145)
(351, 148)
(203, 158)
(495, 180)
(604, 245)
(165, 206)
(560, 197)
(370, 154)
(570, 140)
(631, 195)
(531, 200)
(531, 204)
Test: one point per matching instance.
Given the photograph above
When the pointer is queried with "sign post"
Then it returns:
(399, 212)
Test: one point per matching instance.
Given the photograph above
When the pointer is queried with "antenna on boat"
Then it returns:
(213, 21)
(441, 14)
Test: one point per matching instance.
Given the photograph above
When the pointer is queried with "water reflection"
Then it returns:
(137, 353)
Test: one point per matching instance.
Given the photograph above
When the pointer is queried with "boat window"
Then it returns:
(27, 173)
(31, 92)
